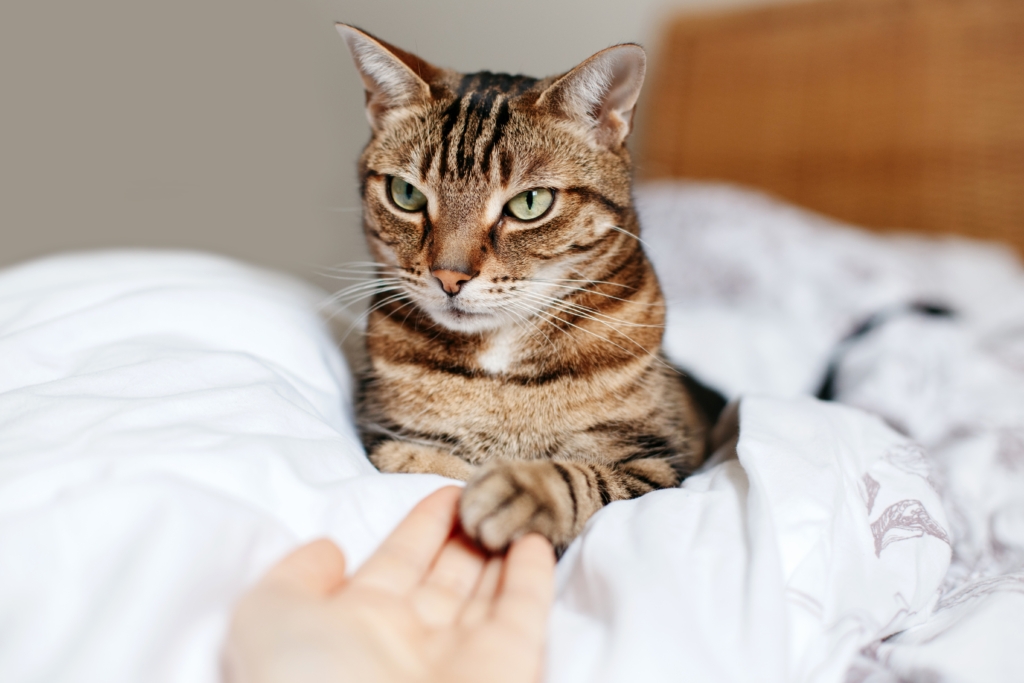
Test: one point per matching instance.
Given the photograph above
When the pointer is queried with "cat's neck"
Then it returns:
(501, 349)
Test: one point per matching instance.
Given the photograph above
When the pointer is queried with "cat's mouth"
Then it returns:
(455, 310)
(456, 316)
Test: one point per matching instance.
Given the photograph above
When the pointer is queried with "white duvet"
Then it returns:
(172, 423)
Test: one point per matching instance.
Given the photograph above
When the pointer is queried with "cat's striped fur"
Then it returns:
(540, 381)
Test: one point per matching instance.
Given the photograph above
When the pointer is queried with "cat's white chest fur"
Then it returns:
(497, 357)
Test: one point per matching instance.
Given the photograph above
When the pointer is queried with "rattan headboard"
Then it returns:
(903, 114)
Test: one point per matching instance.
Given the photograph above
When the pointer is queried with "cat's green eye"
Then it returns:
(526, 206)
(406, 196)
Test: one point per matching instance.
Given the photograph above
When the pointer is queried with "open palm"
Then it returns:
(427, 606)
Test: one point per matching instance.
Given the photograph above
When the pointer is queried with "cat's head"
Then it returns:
(489, 194)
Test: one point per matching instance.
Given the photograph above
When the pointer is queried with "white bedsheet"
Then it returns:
(172, 423)
(169, 425)
(762, 292)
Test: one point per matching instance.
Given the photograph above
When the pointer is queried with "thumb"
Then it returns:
(317, 568)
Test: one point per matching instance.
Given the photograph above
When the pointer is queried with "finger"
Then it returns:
(450, 583)
(317, 568)
(402, 560)
(527, 587)
(479, 606)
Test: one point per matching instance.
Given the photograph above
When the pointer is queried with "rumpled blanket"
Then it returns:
(778, 289)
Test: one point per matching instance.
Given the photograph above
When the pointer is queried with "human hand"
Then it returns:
(428, 606)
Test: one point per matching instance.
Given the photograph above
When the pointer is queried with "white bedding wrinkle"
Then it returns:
(759, 568)
(172, 423)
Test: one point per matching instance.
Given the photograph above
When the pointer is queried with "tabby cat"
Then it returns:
(514, 337)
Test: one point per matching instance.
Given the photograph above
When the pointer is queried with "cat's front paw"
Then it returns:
(507, 500)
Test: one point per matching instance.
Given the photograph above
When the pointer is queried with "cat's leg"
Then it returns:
(554, 498)
(411, 458)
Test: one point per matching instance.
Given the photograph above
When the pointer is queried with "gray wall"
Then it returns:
(233, 125)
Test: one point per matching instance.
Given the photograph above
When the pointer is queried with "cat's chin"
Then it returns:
(467, 322)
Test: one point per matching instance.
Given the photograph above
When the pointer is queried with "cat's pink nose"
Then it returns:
(451, 280)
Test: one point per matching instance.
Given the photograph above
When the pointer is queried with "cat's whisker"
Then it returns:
(554, 304)
(584, 290)
(337, 306)
(370, 268)
(546, 314)
(353, 277)
(374, 281)
(520, 326)
(355, 297)
(364, 276)
(517, 320)
(357, 270)
(349, 305)
(384, 302)
(528, 321)
(406, 304)
(578, 309)
(612, 328)
(589, 282)
(629, 234)
(410, 312)
(524, 319)
(366, 264)
(377, 306)
(562, 307)
(363, 287)
(540, 314)
(355, 293)
(376, 278)
(549, 318)
(585, 312)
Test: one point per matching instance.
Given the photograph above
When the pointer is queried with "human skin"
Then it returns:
(428, 606)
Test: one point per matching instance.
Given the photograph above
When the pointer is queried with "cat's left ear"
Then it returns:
(393, 78)
(601, 92)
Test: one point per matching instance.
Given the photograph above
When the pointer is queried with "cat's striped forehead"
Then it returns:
(488, 83)
(472, 124)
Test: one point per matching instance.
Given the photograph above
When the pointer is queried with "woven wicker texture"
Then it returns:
(903, 114)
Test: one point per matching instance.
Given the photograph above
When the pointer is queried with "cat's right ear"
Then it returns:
(393, 78)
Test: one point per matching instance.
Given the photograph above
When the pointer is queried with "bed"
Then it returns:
(171, 423)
